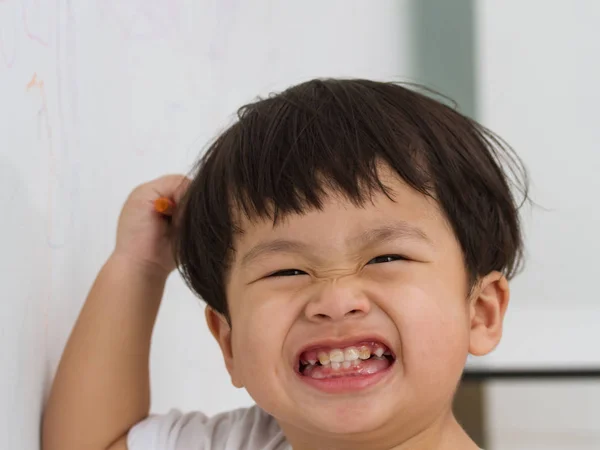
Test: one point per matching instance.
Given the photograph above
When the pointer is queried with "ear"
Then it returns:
(487, 308)
(221, 331)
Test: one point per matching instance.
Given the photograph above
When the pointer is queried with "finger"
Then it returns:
(181, 189)
(171, 189)
(170, 186)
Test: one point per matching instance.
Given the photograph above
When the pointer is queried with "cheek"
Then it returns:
(259, 334)
(259, 330)
(434, 331)
(434, 348)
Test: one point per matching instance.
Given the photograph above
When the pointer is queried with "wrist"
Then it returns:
(127, 263)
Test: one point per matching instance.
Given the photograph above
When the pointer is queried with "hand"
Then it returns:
(144, 236)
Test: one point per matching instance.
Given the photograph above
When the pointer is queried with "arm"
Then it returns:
(102, 384)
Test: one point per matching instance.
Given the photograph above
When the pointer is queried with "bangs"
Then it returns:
(291, 153)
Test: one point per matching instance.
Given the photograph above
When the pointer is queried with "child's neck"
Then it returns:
(443, 434)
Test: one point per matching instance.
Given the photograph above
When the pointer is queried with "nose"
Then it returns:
(337, 300)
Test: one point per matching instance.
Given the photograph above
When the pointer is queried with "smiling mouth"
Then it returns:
(366, 358)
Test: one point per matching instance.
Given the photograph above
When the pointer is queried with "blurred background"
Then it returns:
(99, 96)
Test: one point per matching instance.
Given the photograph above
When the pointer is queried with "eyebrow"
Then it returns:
(381, 234)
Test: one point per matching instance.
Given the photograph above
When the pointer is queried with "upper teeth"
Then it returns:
(349, 354)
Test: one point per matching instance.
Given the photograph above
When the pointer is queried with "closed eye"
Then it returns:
(386, 258)
(296, 272)
(287, 273)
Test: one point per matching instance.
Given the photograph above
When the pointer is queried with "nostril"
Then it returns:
(354, 311)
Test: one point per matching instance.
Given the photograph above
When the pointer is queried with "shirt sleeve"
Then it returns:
(241, 429)
(171, 431)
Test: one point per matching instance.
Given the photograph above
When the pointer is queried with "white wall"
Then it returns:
(538, 88)
(539, 68)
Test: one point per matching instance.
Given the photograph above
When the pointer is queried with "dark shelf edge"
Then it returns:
(529, 374)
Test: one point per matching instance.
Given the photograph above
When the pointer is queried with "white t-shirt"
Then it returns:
(240, 429)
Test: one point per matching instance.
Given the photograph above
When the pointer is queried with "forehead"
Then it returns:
(406, 212)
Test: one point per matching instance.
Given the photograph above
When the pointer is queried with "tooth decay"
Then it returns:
(350, 356)
(364, 352)
(324, 358)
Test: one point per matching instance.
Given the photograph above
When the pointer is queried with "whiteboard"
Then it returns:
(97, 97)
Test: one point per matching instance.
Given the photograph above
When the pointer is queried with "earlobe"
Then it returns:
(221, 331)
(487, 310)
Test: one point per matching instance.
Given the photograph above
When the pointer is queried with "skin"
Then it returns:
(419, 301)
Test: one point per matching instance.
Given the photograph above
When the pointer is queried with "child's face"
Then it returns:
(342, 295)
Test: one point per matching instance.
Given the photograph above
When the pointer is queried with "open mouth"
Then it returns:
(365, 358)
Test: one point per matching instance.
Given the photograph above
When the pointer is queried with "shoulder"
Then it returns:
(239, 429)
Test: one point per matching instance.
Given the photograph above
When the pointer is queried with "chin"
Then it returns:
(349, 418)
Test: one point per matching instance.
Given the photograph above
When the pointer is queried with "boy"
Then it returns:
(352, 240)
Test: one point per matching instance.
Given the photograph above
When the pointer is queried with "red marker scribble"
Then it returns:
(39, 84)
(34, 36)
(30, 35)
(34, 82)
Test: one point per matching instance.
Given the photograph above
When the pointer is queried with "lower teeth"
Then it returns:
(339, 365)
